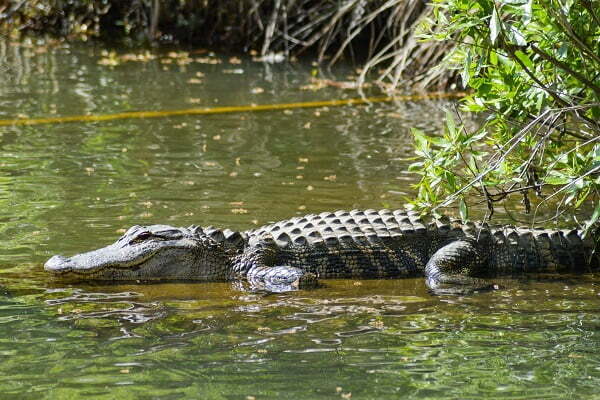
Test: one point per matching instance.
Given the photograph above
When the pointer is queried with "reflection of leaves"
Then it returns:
(111, 58)
(207, 60)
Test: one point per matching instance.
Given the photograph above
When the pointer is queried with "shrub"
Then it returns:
(534, 70)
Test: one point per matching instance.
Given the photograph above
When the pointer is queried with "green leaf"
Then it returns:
(595, 216)
(513, 2)
(466, 72)
(493, 58)
(463, 210)
(563, 51)
(451, 180)
(516, 36)
(583, 196)
(495, 26)
(472, 162)
(485, 5)
(540, 101)
(415, 167)
(476, 137)
(420, 138)
(527, 11)
(450, 125)
(524, 58)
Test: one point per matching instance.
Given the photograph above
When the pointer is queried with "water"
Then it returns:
(67, 188)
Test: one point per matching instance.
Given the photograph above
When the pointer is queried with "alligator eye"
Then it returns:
(141, 237)
(144, 235)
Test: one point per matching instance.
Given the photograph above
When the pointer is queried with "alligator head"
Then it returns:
(148, 253)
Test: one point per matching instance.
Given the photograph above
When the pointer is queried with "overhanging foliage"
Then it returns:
(534, 69)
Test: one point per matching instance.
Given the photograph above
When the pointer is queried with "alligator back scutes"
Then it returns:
(508, 249)
(331, 228)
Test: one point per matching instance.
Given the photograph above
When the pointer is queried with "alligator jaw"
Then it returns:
(59, 265)
(94, 262)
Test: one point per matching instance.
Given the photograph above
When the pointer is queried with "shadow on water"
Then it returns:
(73, 187)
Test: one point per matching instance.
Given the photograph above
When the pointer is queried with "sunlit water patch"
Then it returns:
(67, 188)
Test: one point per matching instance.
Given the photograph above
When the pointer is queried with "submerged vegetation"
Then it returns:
(533, 68)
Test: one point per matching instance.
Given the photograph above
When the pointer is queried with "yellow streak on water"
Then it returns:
(228, 109)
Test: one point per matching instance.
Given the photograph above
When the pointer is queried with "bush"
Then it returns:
(534, 70)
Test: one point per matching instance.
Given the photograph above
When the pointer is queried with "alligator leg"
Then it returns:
(280, 278)
(448, 269)
(259, 265)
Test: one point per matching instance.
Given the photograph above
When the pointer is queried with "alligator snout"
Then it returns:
(58, 264)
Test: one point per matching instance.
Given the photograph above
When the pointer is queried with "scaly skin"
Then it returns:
(295, 252)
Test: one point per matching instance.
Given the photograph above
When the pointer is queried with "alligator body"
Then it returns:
(370, 244)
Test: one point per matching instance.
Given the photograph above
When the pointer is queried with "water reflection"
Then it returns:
(235, 170)
(68, 188)
(391, 333)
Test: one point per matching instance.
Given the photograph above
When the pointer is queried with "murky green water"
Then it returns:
(67, 188)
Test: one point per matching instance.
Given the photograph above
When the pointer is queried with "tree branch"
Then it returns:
(565, 67)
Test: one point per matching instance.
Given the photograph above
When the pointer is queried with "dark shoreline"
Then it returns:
(369, 33)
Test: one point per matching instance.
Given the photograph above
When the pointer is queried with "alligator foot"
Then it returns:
(447, 271)
(281, 278)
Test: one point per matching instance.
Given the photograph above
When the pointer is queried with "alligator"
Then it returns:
(295, 253)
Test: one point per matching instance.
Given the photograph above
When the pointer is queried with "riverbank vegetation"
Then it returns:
(533, 67)
(377, 35)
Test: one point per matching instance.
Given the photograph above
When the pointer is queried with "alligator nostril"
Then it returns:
(57, 264)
